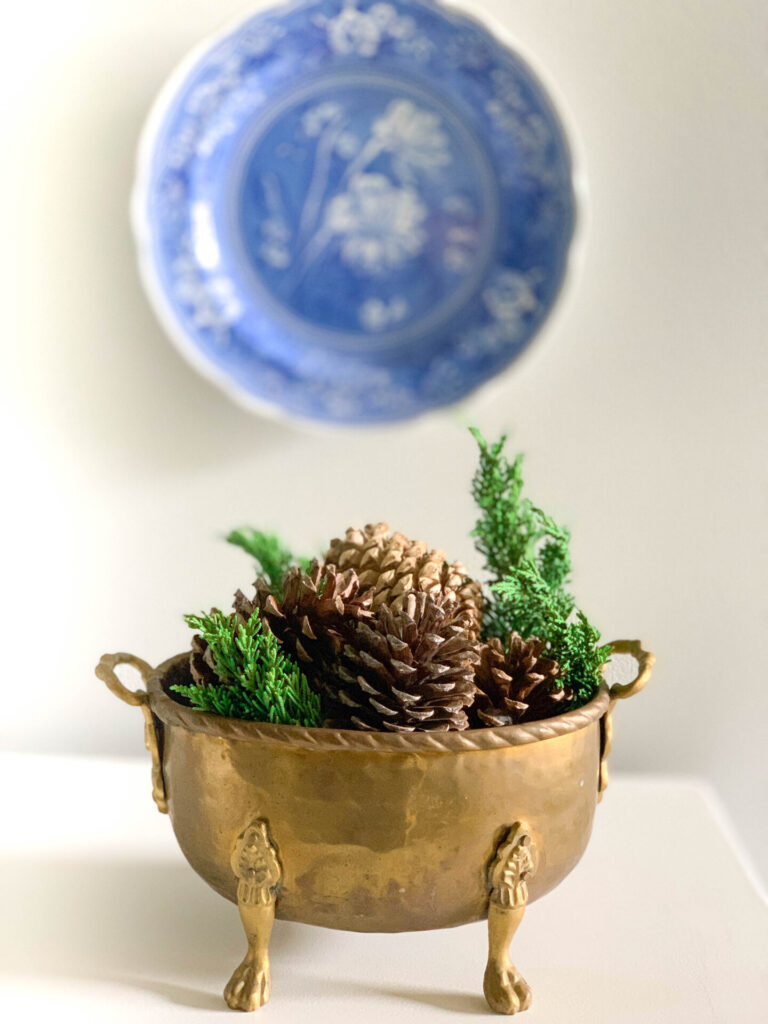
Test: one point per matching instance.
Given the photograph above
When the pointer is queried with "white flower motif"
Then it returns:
(490, 340)
(204, 241)
(384, 15)
(347, 145)
(353, 31)
(182, 145)
(510, 296)
(416, 47)
(226, 307)
(377, 314)
(457, 260)
(259, 42)
(413, 136)
(276, 235)
(380, 226)
(445, 380)
(530, 132)
(210, 301)
(316, 118)
(358, 32)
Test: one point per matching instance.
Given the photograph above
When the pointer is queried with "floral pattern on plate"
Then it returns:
(354, 211)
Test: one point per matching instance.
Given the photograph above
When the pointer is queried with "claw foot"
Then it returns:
(249, 986)
(505, 990)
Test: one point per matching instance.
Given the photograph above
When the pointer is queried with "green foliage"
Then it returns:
(527, 558)
(543, 611)
(512, 530)
(267, 550)
(258, 681)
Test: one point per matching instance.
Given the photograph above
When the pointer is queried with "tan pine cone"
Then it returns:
(517, 683)
(313, 605)
(393, 566)
(406, 670)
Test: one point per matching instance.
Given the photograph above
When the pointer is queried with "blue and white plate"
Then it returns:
(354, 210)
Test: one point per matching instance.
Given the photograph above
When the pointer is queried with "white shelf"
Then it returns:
(103, 921)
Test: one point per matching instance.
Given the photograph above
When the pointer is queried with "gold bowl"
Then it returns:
(376, 832)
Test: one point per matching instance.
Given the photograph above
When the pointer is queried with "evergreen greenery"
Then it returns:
(257, 680)
(528, 564)
(526, 555)
(542, 611)
(272, 558)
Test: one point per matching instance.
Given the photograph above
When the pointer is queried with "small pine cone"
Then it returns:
(313, 605)
(201, 663)
(405, 670)
(516, 684)
(393, 566)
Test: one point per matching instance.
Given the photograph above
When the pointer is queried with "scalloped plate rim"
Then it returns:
(272, 410)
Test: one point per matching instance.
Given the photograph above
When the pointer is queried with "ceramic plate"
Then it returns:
(354, 211)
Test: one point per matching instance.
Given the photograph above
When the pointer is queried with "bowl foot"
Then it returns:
(257, 868)
(249, 986)
(505, 989)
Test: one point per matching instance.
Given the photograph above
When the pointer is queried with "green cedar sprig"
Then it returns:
(258, 681)
(527, 557)
(511, 530)
(272, 558)
(547, 613)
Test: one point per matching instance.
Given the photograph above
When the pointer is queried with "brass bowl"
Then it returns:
(376, 831)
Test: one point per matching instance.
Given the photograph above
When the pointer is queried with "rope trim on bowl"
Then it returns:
(172, 713)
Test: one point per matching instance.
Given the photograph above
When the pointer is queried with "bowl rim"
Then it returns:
(170, 712)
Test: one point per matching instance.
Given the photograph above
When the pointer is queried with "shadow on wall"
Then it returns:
(109, 385)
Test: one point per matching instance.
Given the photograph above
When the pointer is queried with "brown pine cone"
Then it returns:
(201, 663)
(313, 605)
(392, 566)
(405, 670)
(517, 683)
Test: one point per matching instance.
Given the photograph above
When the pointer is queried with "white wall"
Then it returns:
(642, 410)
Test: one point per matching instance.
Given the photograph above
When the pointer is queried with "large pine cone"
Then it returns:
(406, 670)
(393, 566)
(517, 683)
(308, 616)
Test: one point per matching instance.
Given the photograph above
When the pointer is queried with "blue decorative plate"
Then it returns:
(354, 210)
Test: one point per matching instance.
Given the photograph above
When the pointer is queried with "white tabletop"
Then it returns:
(103, 921)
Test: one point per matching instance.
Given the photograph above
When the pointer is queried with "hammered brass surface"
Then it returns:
(381, 841)
(376, 832)
(372, 836)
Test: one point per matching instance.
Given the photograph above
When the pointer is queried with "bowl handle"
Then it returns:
(620, 691)
(105, 670)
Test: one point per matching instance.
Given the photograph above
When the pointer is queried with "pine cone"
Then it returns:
(405, 670)
(201, 663)
(393, 566)
(313, 606)
(516, 684)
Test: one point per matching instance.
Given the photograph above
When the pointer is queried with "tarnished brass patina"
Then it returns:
(620, 691)
(376, 831)
(257, 869)
(505, 990)
(105, 670)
